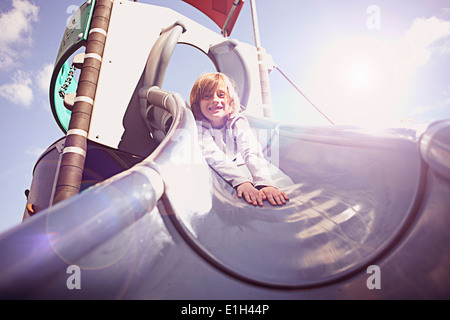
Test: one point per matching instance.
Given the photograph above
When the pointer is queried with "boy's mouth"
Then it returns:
(215, 108)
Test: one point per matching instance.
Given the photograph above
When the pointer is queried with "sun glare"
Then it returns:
(359, 75)
(357, 82)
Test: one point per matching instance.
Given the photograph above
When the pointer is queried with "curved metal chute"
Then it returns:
(356, 200)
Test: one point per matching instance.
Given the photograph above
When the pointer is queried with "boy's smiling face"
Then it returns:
(215, 107)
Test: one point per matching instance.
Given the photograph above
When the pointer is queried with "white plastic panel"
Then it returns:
(133, 29)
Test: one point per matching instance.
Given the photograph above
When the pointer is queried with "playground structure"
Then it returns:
(127, 197)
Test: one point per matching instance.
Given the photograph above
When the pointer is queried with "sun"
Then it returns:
(359, 75)
(356, 82)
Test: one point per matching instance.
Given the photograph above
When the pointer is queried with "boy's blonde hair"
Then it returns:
(207, 84)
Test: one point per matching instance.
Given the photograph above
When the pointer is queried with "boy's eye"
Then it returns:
(220, 94)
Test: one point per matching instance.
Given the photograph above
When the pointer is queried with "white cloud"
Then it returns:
(18, 92)
(431, 112)
(415, 48)
(35, 151)
(438, 110)
(21, 90)
(16, 30)
(43, 78)
(425, 38)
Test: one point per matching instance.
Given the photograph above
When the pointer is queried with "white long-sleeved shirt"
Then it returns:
(222, 147)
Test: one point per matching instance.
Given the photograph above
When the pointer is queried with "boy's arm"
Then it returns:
(219, 161)
(251, 152)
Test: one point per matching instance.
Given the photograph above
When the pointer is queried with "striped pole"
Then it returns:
(74, 153)
(263, 72)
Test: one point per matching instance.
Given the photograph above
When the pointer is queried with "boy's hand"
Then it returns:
(250, 193)
(274, 196)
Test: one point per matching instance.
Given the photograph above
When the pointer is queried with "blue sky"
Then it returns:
(366, 63)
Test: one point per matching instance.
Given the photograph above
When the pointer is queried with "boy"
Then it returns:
(224, 133)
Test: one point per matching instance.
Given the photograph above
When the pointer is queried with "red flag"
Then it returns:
(219, 10)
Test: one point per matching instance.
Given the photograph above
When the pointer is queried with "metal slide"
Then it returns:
(170, 228)
(367, 217)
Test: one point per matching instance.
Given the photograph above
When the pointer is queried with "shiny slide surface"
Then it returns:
(171, 228)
